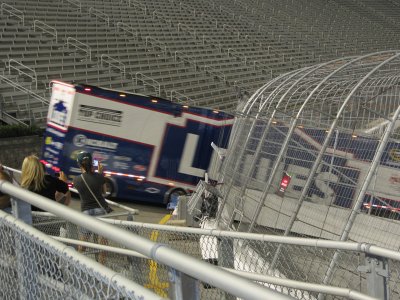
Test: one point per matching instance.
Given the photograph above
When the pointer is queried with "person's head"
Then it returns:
(32, 173)
(85, 161)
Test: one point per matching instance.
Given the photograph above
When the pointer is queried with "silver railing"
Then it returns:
(99, 14)
(13, 12)
(112, 63)
(178, 262)
(37, 24)
(76, 3)
(72, 42)
(146, 80)
(22, 69)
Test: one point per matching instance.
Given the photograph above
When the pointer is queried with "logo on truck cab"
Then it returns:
(80, 140)
(99, 115)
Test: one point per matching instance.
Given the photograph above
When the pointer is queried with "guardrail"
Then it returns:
(231, 29)
(13, 11)
(44, 27)
(79, 45)
(131, 210)
(21, 70)
(187, 29)
(184, 57)
(250, 254)
(160, 17)
(179, 96)
(138, 5)
(153, 41)
(187, 8)
(76, 3)
(146, 80)
(233, 53)
(113, 63)
(23, 89)
(218, 74)
(127, 29)
(99, 14)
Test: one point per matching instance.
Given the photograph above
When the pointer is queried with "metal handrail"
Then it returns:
(77, 3)
(13, 11)
(100, 15)
(12, 119)
(126, 28)
(34, 77)
(184, 263)
(187, 8)
(226, 11)
(312, 287)
(160, 17)
(211, 70)
(188, 100)
(188, 29)
(23, 89)
(77, 44)
(104, 58)
(269, 238)
(231, 29)
(131, 210)
(156, 42)
(211, 41)
(232, 52)
(146, 79)
(46, 28)
(184, 57)
(139, 5)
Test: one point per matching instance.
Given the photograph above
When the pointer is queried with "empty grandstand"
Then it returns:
(199, 52)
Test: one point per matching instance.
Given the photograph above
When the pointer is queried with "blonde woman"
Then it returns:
(34, 178)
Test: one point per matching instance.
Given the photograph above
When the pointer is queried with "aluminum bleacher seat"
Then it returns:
(198, 49)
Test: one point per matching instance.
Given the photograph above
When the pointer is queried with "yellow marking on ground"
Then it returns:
(158, 286)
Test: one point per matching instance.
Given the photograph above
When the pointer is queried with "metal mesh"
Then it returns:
(36, 267)
(144, 271)
(324, 127)
(250, 254)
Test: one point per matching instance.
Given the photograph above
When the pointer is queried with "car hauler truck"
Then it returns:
(151, 148)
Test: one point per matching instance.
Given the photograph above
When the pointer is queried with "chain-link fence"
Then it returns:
(34, 266)
(169, 273)
(299, 261)
(315, 153)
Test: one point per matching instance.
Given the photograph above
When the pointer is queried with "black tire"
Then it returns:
(170, 193)
(109, 188)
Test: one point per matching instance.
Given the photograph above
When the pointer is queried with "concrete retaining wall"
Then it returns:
(14, 150)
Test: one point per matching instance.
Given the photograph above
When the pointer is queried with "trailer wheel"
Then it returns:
(173, 193)
(109, 188)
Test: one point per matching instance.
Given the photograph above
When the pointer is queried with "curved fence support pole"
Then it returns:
(236, 135)
(376, 160)
(315, 165)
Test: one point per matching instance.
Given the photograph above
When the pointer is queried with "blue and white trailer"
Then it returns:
(151, 148)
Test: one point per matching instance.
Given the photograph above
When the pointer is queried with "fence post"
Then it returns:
(22, 210)
(226, 258)
(182, 286)
(377, 272)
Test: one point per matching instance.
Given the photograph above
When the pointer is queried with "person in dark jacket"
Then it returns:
(90, 185)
